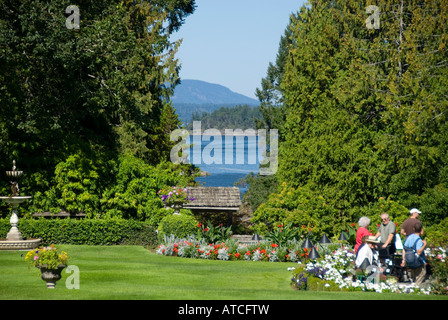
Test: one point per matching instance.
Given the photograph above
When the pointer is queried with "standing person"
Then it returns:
(415, 241)
(387, 233)
(407, 228)
(362, 231)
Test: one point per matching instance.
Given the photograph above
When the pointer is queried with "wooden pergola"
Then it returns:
(215, 199)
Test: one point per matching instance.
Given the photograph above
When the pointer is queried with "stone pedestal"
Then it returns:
(14, 234)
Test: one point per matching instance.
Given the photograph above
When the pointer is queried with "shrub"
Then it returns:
(437, 259)
(213, 234)
(298, 207)
(180, 225)
(76, 186)
(125, 187)
(281, 234)
(437, 235)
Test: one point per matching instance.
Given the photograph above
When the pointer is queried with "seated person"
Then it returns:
(367, 254)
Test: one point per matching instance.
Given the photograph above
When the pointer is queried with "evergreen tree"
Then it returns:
(101, 88)
(414, 36)
(366, 108)
(270, 94)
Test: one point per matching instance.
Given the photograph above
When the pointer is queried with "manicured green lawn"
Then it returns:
(132, 272)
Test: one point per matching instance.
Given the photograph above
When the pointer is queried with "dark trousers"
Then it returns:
(386, 252)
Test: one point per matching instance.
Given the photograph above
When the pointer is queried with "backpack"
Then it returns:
(413, 260)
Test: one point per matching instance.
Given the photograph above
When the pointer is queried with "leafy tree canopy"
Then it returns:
(101, 90)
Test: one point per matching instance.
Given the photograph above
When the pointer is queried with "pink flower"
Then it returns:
(36, 257)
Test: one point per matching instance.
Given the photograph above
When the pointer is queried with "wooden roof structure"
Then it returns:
(214, 199)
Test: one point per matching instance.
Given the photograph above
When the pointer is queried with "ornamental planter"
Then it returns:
(175, 198)
(177, 206)
(50, 276)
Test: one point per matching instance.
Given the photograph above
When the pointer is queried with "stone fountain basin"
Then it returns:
(22, 244)
(15, 200)
(27, 244)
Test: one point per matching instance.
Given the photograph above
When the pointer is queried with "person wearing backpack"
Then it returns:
(414, 255)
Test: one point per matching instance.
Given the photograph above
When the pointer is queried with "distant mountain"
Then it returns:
(192, 96)
(201, 92)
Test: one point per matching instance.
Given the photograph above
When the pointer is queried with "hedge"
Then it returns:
(85, 231)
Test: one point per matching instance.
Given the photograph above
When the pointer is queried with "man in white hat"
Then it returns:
(407, 228)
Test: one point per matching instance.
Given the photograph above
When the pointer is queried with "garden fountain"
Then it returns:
(14, 240)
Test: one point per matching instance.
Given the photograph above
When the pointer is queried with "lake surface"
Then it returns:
(225, 158)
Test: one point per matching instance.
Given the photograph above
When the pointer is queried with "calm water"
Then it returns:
(226, 159)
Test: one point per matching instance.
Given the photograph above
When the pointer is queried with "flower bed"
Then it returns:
(333, 272)
(232, 250)
(436, 257)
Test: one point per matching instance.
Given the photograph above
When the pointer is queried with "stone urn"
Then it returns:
(177, 205)
(50, 276)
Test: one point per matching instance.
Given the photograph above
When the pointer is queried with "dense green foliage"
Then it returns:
(258, 189)
(366, 114)
(362, 113)
(180, 225)
(85, 231)
(125, 188)
(86, 112)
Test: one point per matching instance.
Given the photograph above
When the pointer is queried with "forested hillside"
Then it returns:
(194, 96)
(239, 117)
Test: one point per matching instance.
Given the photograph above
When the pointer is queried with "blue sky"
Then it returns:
(231, 42)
